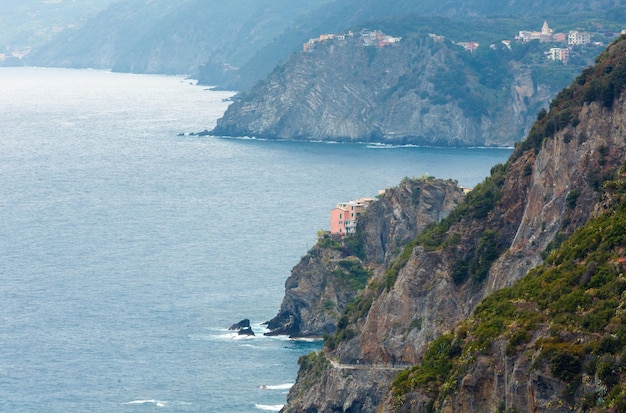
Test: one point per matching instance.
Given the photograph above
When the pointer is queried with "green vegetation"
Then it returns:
(352, 273)
(433, 374)
(567, 315)
(601, 83)
(326, 240)
(355, 244)
(487, 247)
(391, 274)
(350, 245)
(570, 313)
(355, 310)
(312, 366)
(476, 205)
(479, 81)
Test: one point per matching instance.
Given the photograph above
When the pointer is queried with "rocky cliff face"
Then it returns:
(327, 279)
(419, 91)
(549, 187)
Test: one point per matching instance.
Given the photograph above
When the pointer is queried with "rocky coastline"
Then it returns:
(424, 280)
(419, 91)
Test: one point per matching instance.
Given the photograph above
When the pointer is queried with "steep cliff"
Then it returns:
(554, 341)
(423, 90)
(551, 186)
(328, 278)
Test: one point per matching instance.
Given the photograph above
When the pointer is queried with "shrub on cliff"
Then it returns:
(603, 83)
(567, 314)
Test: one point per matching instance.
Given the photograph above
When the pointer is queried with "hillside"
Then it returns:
(555, 340)
(559, 332)
(28, 24)
(391, 16)
(162, 36)
(330, 275)
(234, 44)
(423, 89)
(552, 340)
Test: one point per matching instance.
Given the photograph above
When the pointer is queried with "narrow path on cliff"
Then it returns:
(397, 366)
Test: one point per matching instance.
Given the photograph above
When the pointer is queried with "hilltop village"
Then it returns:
(570, 40)
(366, 37)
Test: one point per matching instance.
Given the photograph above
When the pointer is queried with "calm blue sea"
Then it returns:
(126, 251)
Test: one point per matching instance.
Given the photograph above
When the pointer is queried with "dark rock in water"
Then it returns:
(245, 323)
(246, 331)
(202, 133)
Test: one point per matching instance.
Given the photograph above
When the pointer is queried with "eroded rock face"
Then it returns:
(517, 381)
(315, 296)
(428, 299)
(312, 301)
(397, 94)
(498, 381)
(355, 390)
(402, 213)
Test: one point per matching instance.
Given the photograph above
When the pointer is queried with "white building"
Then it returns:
(578, 38)
(558, 54)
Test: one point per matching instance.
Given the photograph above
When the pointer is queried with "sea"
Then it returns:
(128, 245)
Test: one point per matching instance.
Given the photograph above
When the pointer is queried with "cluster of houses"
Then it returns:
(368, 38)
(546, 35)
(377, 38)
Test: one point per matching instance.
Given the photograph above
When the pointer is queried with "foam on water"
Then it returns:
(156, 403)
(285, 386)
(269, 408)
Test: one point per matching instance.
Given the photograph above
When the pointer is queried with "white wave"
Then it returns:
(223, 333)
(392, 146)
(410, 145)
(308, 339)
(157, 403)
(269, 408)
(238, 336)
(249, 345)
(508, 148)
(285, 386)
(219, 334)
(245, 138)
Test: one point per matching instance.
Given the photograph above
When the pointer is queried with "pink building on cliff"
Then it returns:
(344, 216)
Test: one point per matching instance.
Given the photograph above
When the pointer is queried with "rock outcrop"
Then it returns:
(549, 187)
(422, 90)
(243, 327)
(329, 276)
